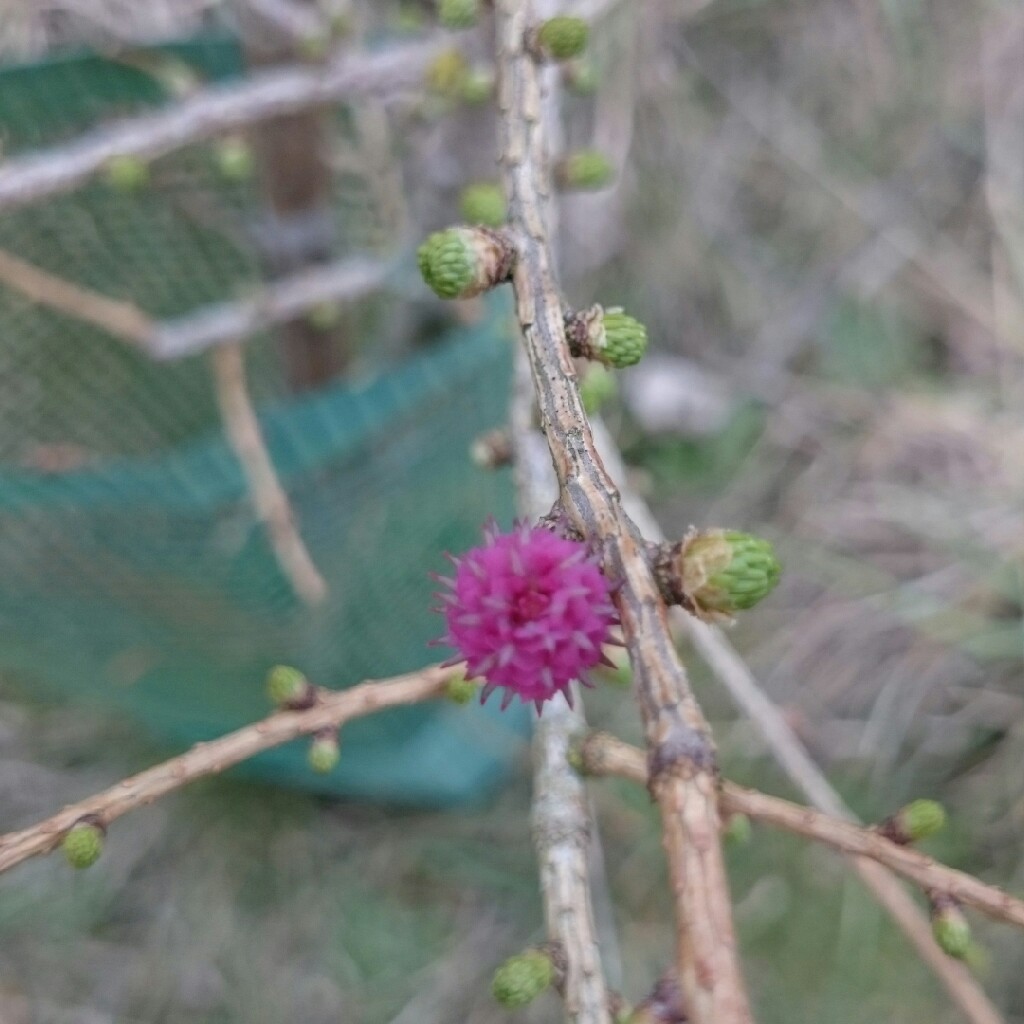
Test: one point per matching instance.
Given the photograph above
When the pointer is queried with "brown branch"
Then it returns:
(331, 710)
(123, 320)
(789, 753)
(562, 825)
(564, 831)
(210, 112)
(605, 755)
(206, 327)
(275, 303)
(268, 496)
(682, 755)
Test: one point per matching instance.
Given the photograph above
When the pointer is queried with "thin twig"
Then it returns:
(605, 755)
(206, 327)
(210, 112)
(274, 303)
(789, 753)
(331, 710)
(272, 506)
(681, 751)
(123, 320)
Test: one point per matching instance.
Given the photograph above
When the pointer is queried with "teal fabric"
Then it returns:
(133, 573)
(148, 585)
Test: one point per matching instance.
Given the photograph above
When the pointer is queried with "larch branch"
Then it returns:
(331, 710)
(605, 755)
(682, 754)
(210, 112)
(789, 753)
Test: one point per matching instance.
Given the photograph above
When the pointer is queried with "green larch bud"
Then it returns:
(561, 38)
(447, 74)
(580, 77)
(608, 336)
(478, 85)
(483, 203)
(324, 751)
(234, 159)
(324, 315)
(315, 46)
(458, 263)
(520, 979)
(460, 690)
(586, 169)
(918, 820)
(716, 573)
(950, 927)
(458, 13)
(126, 173)
(288, 688)
(737, 830)
(408, 19)
(83, 842)
(597, 386)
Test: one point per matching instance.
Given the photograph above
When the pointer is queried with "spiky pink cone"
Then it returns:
(529, 611)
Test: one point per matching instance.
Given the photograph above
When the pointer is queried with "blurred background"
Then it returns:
(818, 211)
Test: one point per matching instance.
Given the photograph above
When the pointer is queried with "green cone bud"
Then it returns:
(522, 978)
(597, 387)
(234, 159)
(737, 831)
(460, 690)
(315, 46)
(950, 928)
(459, 263)
(918, 820)
(562, 38)
(586, 169)
(341, 25)
(408, 19)
(83, 843)
(580, 77)
(324, 315)
(478, 85)
(716, 573)
(324, 752)
(608, 336)
(126, 173)
(458, 13)
(288, 688)
(447, 74)
(483, 203)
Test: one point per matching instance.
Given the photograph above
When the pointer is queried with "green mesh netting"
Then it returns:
(133, 571)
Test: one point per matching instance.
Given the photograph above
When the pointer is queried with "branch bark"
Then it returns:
(683, 777)
(562, 825)
(331, 710)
